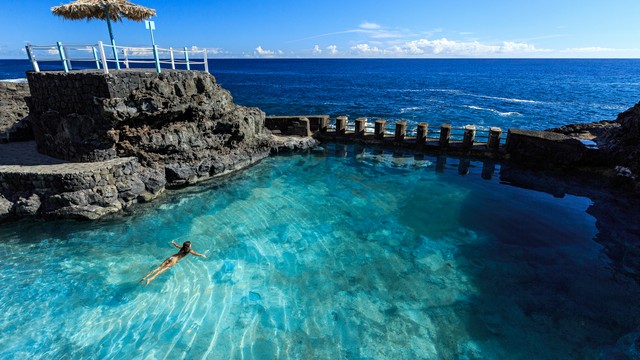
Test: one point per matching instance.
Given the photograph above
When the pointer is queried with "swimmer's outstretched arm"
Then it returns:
(196, 254)
(176, 245)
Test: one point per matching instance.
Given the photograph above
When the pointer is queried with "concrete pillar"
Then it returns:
(301, 127)
(360, 126)
(323, 124)
(381, 124)
(469, 136)
(445, 134)
(494, 138)
(341, 125)
(421, 134)
(506, 145)
(401, 130)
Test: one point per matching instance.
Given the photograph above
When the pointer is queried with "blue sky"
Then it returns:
(351, 28)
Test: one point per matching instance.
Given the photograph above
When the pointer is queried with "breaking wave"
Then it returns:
(500, 113)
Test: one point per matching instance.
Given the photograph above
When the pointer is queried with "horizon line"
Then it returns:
(395, 58)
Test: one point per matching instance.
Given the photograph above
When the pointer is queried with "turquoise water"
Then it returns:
(353, 254)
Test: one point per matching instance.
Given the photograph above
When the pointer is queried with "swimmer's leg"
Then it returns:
(153, 272)
(158, 273)
(164, 264)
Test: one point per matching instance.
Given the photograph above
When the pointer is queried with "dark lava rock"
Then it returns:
(14, 113)
(618, 144)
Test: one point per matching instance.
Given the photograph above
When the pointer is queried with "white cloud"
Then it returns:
(591, 49)
(263, 52)
(444, 46)
(366, 49)
(267, 53)
(332, 49)
(316, 50)
(369, 26)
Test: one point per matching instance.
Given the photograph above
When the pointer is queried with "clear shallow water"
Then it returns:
(521, 93)
(336, 254)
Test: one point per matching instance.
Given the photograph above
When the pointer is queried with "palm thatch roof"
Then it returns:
(95, 9)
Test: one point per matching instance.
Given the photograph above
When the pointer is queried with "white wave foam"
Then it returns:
(449, 91)
(409, 109)
(21, 80)
(505, 99)
(460, 92)
(500, 113)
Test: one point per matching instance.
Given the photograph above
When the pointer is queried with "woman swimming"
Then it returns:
(185, 250)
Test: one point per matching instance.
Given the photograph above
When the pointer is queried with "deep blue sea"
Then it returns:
(524, 93)
(348, 252)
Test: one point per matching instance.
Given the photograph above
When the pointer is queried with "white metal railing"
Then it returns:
(126, 56)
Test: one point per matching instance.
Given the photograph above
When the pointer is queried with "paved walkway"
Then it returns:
(23, 157)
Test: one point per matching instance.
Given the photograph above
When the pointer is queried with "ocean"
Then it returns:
(349, 252)
(521, 93)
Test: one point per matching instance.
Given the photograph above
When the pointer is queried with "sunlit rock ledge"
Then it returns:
(178, 127)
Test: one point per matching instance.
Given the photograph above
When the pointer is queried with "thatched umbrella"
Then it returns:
(104, 10)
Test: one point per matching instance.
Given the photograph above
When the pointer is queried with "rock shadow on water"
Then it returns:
(551, 280)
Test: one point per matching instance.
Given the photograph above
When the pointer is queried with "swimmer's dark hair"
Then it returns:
(186, 247)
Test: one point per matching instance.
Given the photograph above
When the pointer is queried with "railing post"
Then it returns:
(360, 126)
(156, 57)
(206, 61)
(105, 68)
(445, 134)
(95, 56)
(62, 57)
(173, 62)
(186, 58)
(67, 58)
(401, 130)
(32, 58)
(493, 143)
(380, 128)
(341, 125)
(421, 133)
(126, 58)
(469, 136)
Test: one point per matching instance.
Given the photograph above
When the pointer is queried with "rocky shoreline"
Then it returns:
(14, 112)
(124, 138)
(179, 128)
(618, 144)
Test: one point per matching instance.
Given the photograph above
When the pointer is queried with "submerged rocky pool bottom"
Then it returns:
(340, 253)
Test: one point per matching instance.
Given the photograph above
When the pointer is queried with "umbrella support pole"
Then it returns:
(113, 41)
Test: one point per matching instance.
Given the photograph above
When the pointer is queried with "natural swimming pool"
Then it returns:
(344, 252)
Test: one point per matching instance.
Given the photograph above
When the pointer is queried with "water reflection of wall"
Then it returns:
(617, 214)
